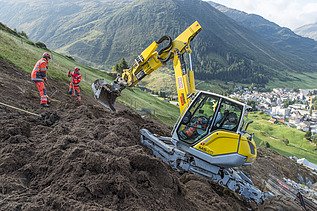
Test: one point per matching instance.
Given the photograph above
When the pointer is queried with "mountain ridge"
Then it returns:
(100, 34)
(280, 37)
(308, 30)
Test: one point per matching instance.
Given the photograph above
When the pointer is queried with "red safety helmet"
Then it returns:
(46, 55)
(77, 69)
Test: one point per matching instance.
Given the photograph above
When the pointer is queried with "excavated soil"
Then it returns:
(83, 157)
(269, 162)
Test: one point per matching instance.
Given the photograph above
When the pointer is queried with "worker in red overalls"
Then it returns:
(38, 75)
(74, 88)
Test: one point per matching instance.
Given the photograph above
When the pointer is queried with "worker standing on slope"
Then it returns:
(74, 89)
(38, 75)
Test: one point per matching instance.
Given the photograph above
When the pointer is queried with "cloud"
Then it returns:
(287, 13)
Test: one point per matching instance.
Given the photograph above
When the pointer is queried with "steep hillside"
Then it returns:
(82, 157)
(102, 32)
(24, 54)
(309, 30)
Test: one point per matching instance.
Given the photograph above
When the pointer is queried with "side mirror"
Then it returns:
(247, 125)
(186, 118)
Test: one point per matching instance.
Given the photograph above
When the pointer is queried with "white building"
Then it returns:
(279, 111)
(313, 129)
(304, 126)
(297, 106)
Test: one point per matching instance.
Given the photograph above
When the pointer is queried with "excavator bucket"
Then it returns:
(105, 93)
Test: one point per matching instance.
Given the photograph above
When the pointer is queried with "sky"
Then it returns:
(286, 13)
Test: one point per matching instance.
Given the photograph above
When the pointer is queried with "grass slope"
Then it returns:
(23, 55)
(296, 80)
(164, 80)
(274, 134)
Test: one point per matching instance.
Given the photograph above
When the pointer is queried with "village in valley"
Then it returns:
(293, 107)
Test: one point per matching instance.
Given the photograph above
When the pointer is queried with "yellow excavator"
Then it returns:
(209, 138)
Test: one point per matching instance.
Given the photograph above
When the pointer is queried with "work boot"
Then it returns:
(45, 105)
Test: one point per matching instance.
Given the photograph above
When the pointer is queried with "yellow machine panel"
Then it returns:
(223, 142)
(219, 143)
(248, 149)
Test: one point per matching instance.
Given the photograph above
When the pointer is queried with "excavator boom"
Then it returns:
(150, 60)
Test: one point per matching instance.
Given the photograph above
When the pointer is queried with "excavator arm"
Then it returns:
(199, 143)
(150, 60)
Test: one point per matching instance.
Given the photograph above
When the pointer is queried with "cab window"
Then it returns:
(228, 117)
(195, 123)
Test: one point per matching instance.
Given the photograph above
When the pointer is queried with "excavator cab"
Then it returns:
(212, 126)
(210, 140)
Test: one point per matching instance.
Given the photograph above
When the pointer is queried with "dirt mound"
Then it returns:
(89, 162)
(269, 163)
(279, 203)
(82, 157)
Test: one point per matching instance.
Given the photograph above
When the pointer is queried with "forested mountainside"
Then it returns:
(103, 32)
